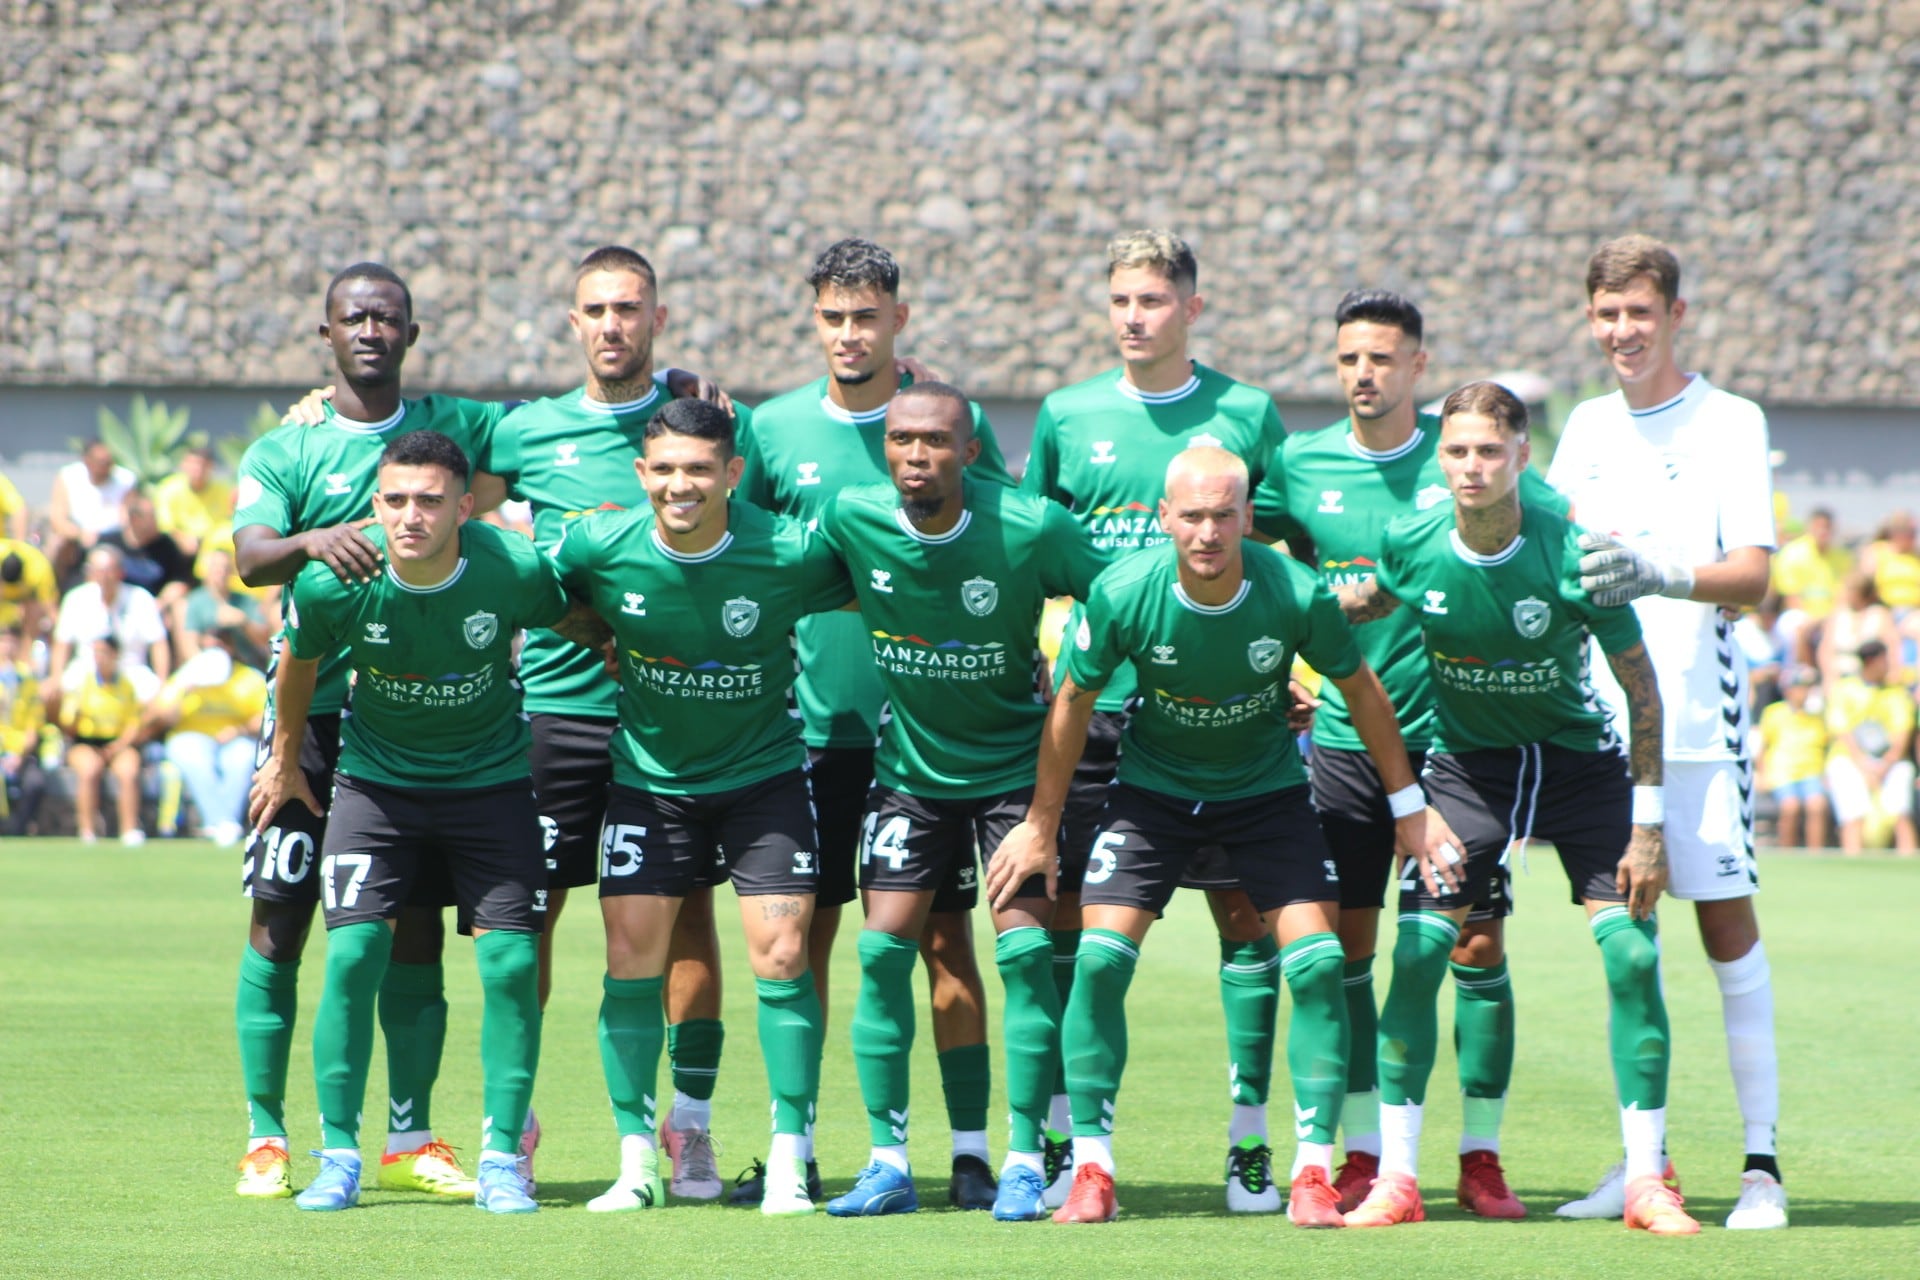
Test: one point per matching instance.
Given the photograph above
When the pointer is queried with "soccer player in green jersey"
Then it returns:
(1521, 749)
(301, 498)
(433, 764)
(1209, 626)
(1331, 494)
(951, 574)
(702, 594)
(803, 447)
(1101, 449)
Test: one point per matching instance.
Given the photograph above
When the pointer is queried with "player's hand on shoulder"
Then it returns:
(310, 410)
(684, 384)
(344, 549)
(1027, 851)
(1642, 874)
(908, 367)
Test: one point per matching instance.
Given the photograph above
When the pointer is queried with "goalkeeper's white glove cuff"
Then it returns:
(1679, 584)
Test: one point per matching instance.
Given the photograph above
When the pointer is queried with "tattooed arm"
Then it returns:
(1366, 601)
(1032, 847)
(1643, 871)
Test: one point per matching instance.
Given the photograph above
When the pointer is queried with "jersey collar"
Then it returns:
(441, 585)
(1693, 380)
(1468, 554)
(838, 414)
(1187, 601)
(680, 557)
(591, 405)
(1384, 455)
(1180, 392)
(932, 539)
(360, 428)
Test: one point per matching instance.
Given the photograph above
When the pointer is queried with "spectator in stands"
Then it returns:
(218, 602)
(100, 709)
(107, 605)
(1895, 565)
(28, 598)
(1858, 618)
(22, 714)
(1791, 759)
(1807, 572)
(1869, 771)
(150, 559)
(85, 505)
(209, 713)
(13, 511)
(193, 501)
(1768, 659)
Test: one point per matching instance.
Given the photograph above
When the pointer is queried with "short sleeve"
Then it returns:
(504, 455)
(262, 497)
(1746, 482)
(1536, 492)
(825, 584)
(571, 554)
(480, 421)
(1271, 514)
(1328, 644)
(1093, 644)
(1068, 561)
(1042, 457)
(756, 482)
(991, 465)
(543, 602)
(309, 636)
(1266, 452)
(1393, 561)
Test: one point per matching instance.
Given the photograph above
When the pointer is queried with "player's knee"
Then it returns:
(1420, 947)
(781, 956)
(279, 930)
(1632, 961)
(1479, 948)
(1234, 916)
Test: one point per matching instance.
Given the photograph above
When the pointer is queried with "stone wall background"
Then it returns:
(178, 180)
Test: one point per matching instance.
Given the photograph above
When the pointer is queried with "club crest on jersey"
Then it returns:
(1330, 502)
(480, 629)
(247, 492)
(1431, 496)
(809, 473)
(739, 616)
(883, 581)
(1083, 638)
(1530, 618)
(979, 595)
(377, 633)
(636, 604)
(338, 486)
(1264, 654)
(566, 455)
(1102, 453)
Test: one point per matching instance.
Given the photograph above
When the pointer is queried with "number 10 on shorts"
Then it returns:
(620, 853)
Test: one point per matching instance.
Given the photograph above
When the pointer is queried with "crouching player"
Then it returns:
(1210, 627)
(1522, 750)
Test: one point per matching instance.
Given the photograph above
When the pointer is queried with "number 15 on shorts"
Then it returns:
(620, 853)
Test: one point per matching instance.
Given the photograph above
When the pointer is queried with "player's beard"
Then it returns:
(853, 379)
(921, 510)
(634, 381)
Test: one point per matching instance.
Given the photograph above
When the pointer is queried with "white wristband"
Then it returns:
(1649, 806)
(1679, 585)
(1406, 802)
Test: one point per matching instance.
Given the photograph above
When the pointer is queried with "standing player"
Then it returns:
(1101, 449)
(302, 496)
(951, 576)
(1331, 494)
(433, 764)
(804, 447)
(702, 594)
(1210, 627)
(1674, 471)
(1521, 750)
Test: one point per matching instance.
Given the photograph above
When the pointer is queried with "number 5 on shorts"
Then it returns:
(1100, 859)
(358, 864)
(620, 853)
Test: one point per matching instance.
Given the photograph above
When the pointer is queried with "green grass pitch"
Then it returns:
(120, 1118)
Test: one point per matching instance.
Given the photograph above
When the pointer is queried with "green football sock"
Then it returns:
(343, 1027)
(413, 1020)
(966, 1081)
(1066, 949)
(792, 1026)
(1409, 1021)
(1250, 996)
(1483, 1030)
(883, 1029)
(1031, 1027)
(1363, 1025)
(1093, 1030)
(693, 1051)
(264, 1009)
(1637, 1030)
(633, 1028)
(509, 1032)
(1317, 1034)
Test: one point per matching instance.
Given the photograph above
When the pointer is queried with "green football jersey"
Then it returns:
(567, 456)
(295, 479)
(1341, 495)
(1211, 718)
(1101, 449)
(952, 625)
(800, 450)
(434, 698)
(1505, 635)
(705, 641)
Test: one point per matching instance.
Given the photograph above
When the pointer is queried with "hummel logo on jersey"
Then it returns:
(1163, 656)
(739, 616)
(1436, 602)
(883, 581)
(636, 604)
(1205, 441)
(1330, 502)
(802, 862)
(338, 486)
(566, 455)
(1530, 618)
(809, 473)
(979, 595)
(480, 629)
(376, 633)
(1431, 496)
(1263, 655)
(1102, 453)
